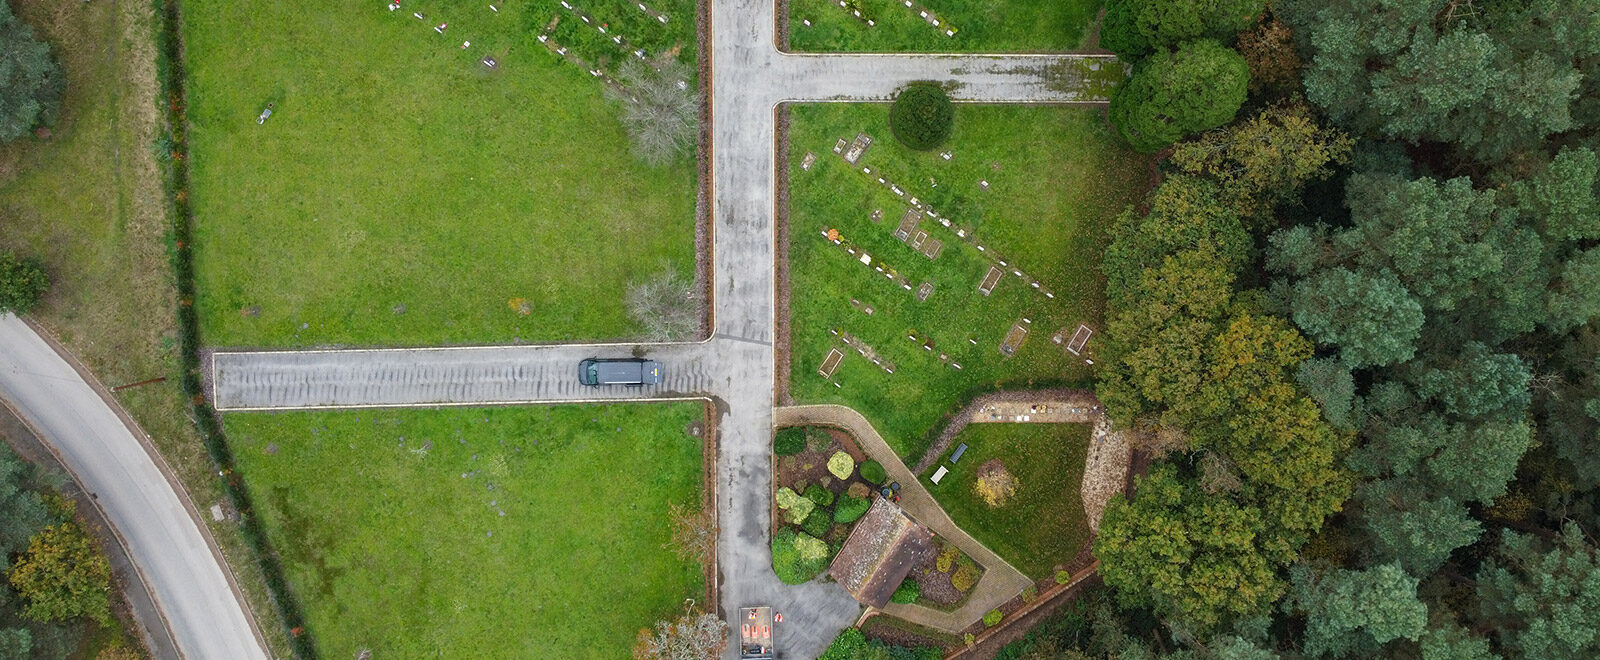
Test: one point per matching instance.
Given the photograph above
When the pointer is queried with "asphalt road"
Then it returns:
(164, 537)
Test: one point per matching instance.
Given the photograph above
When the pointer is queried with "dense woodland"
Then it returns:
(1355, 326)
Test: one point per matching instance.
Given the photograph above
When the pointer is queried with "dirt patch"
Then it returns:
(780, 340)
(1105, 470)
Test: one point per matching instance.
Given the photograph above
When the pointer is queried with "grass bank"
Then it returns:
(1043, 524)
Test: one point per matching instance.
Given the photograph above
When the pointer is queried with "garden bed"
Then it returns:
(813, 503)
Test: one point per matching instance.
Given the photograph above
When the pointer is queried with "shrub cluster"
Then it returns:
(922, 116)
(822, 496)
(797, 557)
(789, 441)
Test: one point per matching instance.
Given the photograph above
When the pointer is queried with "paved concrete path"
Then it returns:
(161, 532)
(750, 78)
(1000, 582)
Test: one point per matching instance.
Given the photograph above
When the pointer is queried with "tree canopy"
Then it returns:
(31, 81)
(1173, 93)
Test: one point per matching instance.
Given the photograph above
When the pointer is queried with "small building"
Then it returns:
(881, 551)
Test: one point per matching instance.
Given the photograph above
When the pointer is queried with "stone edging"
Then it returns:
(962, 417)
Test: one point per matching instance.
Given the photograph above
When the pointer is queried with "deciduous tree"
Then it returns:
(693, 636)
(63, 576)
(31, 82)
(1174, 93)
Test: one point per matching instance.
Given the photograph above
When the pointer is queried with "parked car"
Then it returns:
(619, 371)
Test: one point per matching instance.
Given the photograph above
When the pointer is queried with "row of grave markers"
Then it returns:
(394, 5)
(852, 151)
(922, 12)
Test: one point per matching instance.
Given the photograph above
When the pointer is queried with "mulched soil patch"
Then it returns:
(879, 628)
(936, 586)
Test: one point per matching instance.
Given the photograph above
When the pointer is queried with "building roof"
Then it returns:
(882, 549)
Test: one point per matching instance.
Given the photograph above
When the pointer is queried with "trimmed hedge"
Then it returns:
(873, 472)
(851, 509)
(171, 68)
(789, 441)
(922, 116)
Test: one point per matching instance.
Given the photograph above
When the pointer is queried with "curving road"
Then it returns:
(163, 535)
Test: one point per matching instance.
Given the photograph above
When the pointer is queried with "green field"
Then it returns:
(551, 545)
(404, 194)
(1057, 177)
(991, 26)
(1043, 525)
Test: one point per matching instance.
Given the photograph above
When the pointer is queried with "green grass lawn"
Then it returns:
(1057, 177)
(402, 193)
(993, 26)
(1043, 525)
(551, 545)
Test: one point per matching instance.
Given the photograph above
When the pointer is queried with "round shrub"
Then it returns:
(841, 465)
(966, 575)
(922, 117)
(22, 284)
(851, 509)
(789, 441)
(1063, 577)
(817, 523)
(992, 618)
(822, 496)
(908, 592)
(873, 472)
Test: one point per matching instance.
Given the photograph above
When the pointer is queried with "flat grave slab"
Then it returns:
(1080, 339)
(908, 223)
(857, 148)
(924, 291)
(990, 280)
(933, 248)
(831, 363)
(808, 161)
(1014, 339)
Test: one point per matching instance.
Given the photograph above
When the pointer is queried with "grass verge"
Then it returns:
(988, 26)
(1055, 178)
(496, 532)
(92, 201)
(1043, 524)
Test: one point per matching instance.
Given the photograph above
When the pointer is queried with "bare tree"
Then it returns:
(694, 535)
(694, 636)
(666, 304)
(661, 110)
